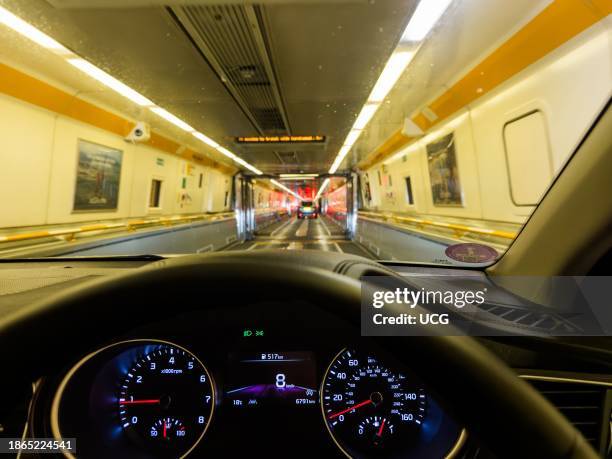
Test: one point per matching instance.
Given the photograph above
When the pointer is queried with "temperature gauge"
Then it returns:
(168, 429)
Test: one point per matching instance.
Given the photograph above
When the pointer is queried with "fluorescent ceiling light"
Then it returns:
(109, 81)
(207, 140)
(424, 18)
(323, 186)
(238, 159)
(339, 158)
(366, 114)
(211, 143)
(427, 13)
(297, 175)
(284, 188)
(226, 152)
(172, 119)
(343, 151)
(30, 32)
(252, 168)
(396, 65)
(394, 68)
(296, 179)
(352, 137)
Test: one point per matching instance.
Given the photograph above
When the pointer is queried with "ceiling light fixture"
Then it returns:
(297, 175)
(284, 188)
(366, 114)
(422, 21)
(224, 151)
(322, 189)
(107, 80)
(352, 137)
(238, 159)
(424, 18)
(30, 32)
(207, 140)
(394, 68)
(165, 114)
(339, 158)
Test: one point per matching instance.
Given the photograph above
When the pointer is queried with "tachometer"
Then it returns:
(376, 409)
(166, 400)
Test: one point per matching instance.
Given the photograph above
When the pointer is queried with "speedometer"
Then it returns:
(373, 409)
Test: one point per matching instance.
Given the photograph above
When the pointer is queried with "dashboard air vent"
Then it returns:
(537, 320)
(581, 403)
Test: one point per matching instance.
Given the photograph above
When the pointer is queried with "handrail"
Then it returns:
(459, 230)
(129, 225)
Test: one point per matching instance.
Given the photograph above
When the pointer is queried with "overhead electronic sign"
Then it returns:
(283, 139)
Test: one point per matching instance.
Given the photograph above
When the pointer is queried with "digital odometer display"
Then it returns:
(267, 378)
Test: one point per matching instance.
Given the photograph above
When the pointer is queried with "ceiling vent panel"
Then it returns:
(232, 38)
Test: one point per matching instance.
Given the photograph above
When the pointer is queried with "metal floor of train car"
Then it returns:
(291, 233)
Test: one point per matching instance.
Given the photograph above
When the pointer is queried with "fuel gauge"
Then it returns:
(375, 430)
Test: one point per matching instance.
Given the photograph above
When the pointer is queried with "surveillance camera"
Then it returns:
(141, 132)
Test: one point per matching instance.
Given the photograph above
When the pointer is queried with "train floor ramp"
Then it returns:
(291, 233)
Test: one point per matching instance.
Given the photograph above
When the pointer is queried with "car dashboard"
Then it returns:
(278, 379)
(238, 383)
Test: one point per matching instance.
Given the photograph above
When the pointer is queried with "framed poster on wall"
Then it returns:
(97, 178)
(443, 172)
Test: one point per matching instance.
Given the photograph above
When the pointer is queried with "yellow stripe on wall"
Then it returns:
(24, 87)
(36, 92)
(558, 23)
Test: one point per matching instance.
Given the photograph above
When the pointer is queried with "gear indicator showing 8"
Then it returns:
(370, 409)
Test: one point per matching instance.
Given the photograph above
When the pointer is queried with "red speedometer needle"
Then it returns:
(350, 408)
(140, 402)
(165, 429)
(382, 426)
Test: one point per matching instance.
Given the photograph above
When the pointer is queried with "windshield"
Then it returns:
(421, 131)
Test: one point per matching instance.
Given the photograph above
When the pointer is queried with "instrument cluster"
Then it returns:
(154, 398)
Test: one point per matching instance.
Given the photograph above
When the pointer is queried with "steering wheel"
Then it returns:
(500, 409)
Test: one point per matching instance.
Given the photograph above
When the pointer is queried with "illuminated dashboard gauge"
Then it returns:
(370, 409)
(375, 429)
(166, 400)
(168, 429)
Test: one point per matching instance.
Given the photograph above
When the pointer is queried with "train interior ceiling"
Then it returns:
(280, 150)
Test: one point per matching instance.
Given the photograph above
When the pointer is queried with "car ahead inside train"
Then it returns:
(306, 228)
